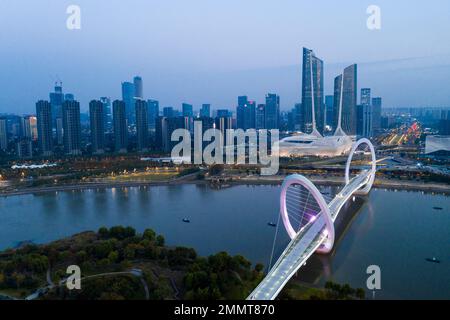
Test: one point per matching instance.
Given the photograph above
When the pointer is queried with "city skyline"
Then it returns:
(210, 69)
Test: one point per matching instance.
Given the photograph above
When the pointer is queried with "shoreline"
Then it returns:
(378, 184)
(277, 180)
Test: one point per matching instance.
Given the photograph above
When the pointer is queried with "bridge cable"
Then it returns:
(273, 244)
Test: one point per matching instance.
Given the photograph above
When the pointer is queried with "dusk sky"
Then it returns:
(211, 51)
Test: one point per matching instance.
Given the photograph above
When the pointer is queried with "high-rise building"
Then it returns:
(164, 128)
(205, 111)
(56, 100)
(245, 113)
(223, 113)
(128, 93)
(376, 114)
(360, 120)
(69, 97)
(3, 134)
(364, 115)
(260, 118)
(367, 121)
(188, 110)
(138, 88)
(365, 96)
(153, 113)
(30, 127)
(97, 121)
(44, 127)
(250, 115)
(107, 112)
(349, 96)
(290, 126)
(24, 148)
(71, 127)
(120, 126)
(297, 116)
(168, 112)
(224, 122)
(329, 114)
(312, 92)
(142, 125)
(272, 111)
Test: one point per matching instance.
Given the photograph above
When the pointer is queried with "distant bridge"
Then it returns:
(309, 221)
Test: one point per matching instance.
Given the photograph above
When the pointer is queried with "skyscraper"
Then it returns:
(138, 88)
(44, 127)
(188, 110)
(367, 121)
(312, 86)
(3, 134)
(224, 122)
(24, 148)
(153, 113)
(120, 126)
(250, 115)
(205, 111)
(69, 97)
(128, 93)
(329, 114)
(142, 125)
(223, 113)
(245, 113)
(364, 114)
(360, 120)
(107, 113)
(30, 127)
(349, 96)
(376, 114)
(168, 112)
(365, 96)
(56, 100)
(272, 111)
(260, 118)
(72, 127)
(97, 121)
(164, 129)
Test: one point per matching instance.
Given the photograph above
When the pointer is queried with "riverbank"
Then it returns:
(191, 178)
(234, 180)
(339, 181)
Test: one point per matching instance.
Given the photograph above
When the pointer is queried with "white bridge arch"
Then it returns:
(373, 170)
(316, 235)
(300, 180)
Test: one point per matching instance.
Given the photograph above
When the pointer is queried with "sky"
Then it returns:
(211, 51)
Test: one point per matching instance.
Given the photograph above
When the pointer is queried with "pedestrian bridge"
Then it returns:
(309, 221)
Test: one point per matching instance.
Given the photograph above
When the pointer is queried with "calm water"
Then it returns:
(395, 230)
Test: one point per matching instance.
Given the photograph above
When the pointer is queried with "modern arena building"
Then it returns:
(311, 145)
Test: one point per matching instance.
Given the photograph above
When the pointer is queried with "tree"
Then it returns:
(103, 232)
(160, 241)
(113, 256)
(259, 267)
(149, 234)
(360, 293)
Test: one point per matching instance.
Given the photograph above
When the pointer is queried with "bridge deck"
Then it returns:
(307, 241)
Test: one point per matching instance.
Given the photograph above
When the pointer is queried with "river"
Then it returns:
(396, 230)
